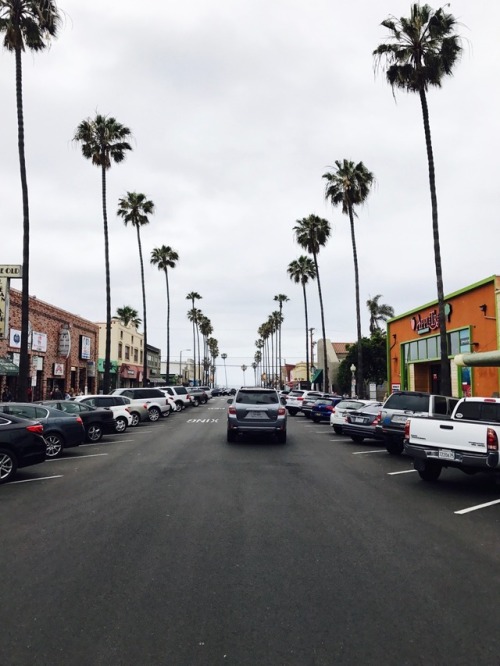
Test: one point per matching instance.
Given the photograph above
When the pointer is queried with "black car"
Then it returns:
(216, 392)
(198, 396)
(60, 430)
(96, 420)
(21, 444)
(362, 424)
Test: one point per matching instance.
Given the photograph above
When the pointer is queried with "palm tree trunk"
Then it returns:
(24, 371)
(325, 357)
(443, 340)
(144, 322)
(168, 326)
(360, 380)
(308, 375)
(107, 353)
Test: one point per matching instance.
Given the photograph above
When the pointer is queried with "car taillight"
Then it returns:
(376, 420)
(79, 419)
(281, 411)
(329, 408)
(37, 428)
(333, 410)
(407, 428)
(300, 398)
(491, 440)
(232, 410)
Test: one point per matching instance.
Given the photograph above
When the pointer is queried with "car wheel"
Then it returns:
(136, 419)
(315, 419)
(196, 402)
(292, 412)
(357, 439)
(166, 414)
(154, 413)
(180, 405)
(8, 465)
(94, 432)
(394, 447)
(430, 472)
(281, 437)
(121, 424)
(337, 430)
(55, 445)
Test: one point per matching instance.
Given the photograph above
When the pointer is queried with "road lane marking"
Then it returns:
(477, 507)
(362, 453)
(41, 478)
(405, 471)
(90, 455)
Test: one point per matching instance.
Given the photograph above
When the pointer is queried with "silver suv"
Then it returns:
(256, 410)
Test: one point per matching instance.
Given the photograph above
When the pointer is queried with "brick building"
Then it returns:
(62, 346)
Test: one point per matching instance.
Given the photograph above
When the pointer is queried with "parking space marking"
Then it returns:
(362, 453)
(477, 507)
(405, 471)
(107, 441)
(90, 455)
(41, 478)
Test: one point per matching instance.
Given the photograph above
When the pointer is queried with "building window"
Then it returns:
(120, 350)
(127, 353)
(136, 355)
(121, 335)
(142, 358)
(132, 341)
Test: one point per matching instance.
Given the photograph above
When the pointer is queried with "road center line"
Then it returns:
(41, 478)
(405, 471)
(477, 507)
(362, 453)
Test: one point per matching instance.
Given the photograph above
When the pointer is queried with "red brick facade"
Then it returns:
(68, 366)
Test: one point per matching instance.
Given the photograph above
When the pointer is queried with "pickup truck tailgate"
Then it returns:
(456, 435)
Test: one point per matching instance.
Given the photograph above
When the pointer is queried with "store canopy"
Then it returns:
(317, 376)
(7, 368)
(113, 369)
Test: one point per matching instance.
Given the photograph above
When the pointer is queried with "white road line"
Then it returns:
(477, 507)
(405, 471)
(90, 455)
(41, 478)
(362, 453)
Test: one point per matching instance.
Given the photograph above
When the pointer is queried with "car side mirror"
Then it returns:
(230, 401)
(283, 401)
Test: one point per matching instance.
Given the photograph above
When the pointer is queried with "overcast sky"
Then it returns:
(237, 108)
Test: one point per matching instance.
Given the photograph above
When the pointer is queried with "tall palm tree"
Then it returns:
(104, 141)
(419, 52)
(165, 257)
(349, 185)
(378, 312)
(26, 25)
(194, 315)
(128, 315)
(280, 298)
(135, 208)
(206, 329)
(302, 270)
(193, 296)
(312, 233)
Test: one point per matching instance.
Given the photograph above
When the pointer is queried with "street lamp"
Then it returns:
(223, 357)
(244, 367)
(353, 380)
(180, 365)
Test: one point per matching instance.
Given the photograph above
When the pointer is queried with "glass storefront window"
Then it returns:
(432, 347)
(453, 343)
(464, 337)
(422, 349)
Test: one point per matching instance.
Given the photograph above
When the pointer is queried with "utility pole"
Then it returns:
(312, 344)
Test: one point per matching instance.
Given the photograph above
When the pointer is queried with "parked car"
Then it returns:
(158, 404)
(362, 424)
(180, 394)
(21, 444)
(207, 390)
(216, 392)
(344, 407)
(60, 430)
(256, 410)
(96, 420)
(308, 403)
(116, 403)
(198, 396)
(323, 408)
(296, 397)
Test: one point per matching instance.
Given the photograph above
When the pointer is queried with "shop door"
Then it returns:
(435, 378)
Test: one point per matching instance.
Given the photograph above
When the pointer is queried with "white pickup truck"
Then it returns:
(468, 440)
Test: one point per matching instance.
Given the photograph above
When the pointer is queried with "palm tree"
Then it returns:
(419, 53)
(135, 208)
(193, 296)
(103, 141)
(349, 186)
(165, 257)
(127, 315)
(194, 315)
(378, 312)
(312, 233)
(302, 270)
(280, 298)
(26, 25)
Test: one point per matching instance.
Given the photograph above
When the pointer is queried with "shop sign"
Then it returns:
(395, 387)
(58, 370)
(430, 322)
(64, 342)
(91, 369)
(39, 342)
(15, 338)
(84, 347)
(10, 271)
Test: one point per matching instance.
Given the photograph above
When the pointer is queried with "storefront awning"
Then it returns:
(317, 376)
(100, 366)
(7, 368)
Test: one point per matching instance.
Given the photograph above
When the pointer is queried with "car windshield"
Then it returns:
(257, 398)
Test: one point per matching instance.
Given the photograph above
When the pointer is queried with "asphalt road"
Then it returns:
(168, 546)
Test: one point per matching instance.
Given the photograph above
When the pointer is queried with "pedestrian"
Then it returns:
(56, 394)
(6, 395)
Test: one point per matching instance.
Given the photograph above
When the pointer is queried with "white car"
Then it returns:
(344, 407)
(121, 413)
(157, 403)
(295, 398)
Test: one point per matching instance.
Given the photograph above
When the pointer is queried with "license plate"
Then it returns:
(399, 418)
(358, 419)
(256, 415)
(446, 455)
